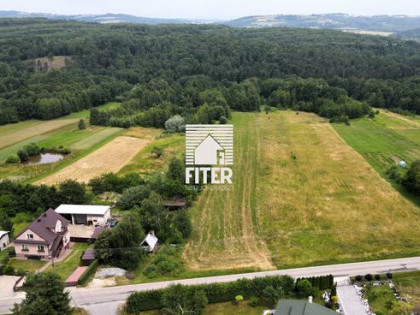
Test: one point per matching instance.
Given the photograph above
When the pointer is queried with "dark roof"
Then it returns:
(43, 225)
(89, 254)
(301, 307)
(98, 230)
(175, 202)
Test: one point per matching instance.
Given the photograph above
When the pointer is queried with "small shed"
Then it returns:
(88, 257)
(4, 239)
(175, 203)
(150, 242)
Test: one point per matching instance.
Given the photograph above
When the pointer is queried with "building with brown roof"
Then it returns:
(44, 238)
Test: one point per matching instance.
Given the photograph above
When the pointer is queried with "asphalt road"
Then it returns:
(105, 301)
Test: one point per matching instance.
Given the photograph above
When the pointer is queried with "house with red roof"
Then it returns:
(44, 238)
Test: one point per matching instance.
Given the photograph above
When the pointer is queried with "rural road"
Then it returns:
(105, 301)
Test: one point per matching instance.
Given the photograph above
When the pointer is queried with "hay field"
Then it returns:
(10, 134)
(321, 202)
(109, 158)
(301, 196)
(225, 234)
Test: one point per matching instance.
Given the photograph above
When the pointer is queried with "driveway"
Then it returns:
(7, 296)
(350, 301)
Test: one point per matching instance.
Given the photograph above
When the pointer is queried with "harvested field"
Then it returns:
(226, 222)
(301, 197)
(30, 130)
(109, 158)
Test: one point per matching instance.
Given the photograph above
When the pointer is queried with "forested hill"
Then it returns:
(410, 35)
(104, 62)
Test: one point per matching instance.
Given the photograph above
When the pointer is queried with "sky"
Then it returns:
(214, 9)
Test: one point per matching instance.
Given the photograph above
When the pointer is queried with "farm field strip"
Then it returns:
(25, 131)
(14, 148)
(94, 138)
(109, 158)
(301, 197)
(322, 202)
(225, 234)
(382, 141)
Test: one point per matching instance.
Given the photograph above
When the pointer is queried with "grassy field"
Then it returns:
(146, 163)
(409, 284)
(24, 130)
(384, 140)
(29, 265)
(225, 308)
(301, 197)
(66, 267)
(226, 223)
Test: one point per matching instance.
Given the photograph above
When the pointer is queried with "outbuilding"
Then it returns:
(4, 239)
(150, 242)
(85, 214)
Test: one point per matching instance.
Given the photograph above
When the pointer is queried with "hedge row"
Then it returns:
(215, 292)
(88, 272)
(321, 282)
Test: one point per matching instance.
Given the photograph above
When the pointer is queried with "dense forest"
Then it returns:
(176, 69)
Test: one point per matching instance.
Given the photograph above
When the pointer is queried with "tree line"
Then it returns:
(108, 61)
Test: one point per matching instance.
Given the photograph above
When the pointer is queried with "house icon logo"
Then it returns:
(211, 146)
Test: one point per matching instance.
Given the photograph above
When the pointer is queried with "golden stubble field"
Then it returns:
(109, 158)
(301, 196)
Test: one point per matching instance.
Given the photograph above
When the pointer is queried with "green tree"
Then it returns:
(304, 288)
(133, 197)
(272, 295)
(178, 299)
(175, 123)
(13, 159)
(45, 295)
(157, 151)
(72, 192)
(411, 179)
(176, 170)
(82, 124)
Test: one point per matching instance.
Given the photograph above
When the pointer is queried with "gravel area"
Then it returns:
(109, 272)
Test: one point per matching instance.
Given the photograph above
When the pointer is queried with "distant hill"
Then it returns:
(382, 23)
(410, 35)
(102, 18)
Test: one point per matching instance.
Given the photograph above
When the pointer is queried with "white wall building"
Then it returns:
(4, 239)
(85, 214)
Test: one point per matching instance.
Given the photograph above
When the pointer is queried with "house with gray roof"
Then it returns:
(301, 307)
(44, 238)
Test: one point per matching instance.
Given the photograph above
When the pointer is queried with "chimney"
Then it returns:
(310, 298)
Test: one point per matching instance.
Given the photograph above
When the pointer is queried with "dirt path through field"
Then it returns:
(109, 158)
(226, 225)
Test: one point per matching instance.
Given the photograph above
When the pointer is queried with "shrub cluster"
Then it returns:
(88, 272)
(215, 292)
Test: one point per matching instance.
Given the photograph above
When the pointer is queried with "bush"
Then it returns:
(368, 277)
(13, 159)
(238, 298)
(88, 272)
(377, 277)
(253, 301)
(223, 120)
(23, 155)
(389, 275)
(9, 271)
(82, 124)
(359, 278)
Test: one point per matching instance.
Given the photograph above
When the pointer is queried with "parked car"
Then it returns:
(113, 223)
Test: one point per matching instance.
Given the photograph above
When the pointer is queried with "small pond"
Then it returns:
(44, 158)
